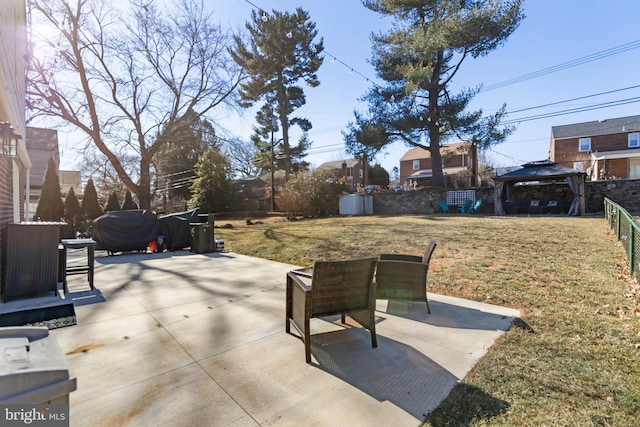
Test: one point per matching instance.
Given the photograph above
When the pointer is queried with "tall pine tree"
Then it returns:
(50, 205)
(418, 59)
(280, 54)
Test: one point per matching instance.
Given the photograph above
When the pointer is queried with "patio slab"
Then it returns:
(199, 339)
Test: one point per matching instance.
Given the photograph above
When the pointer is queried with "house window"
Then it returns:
(579, 166)
(360, 173)
(416, 165)
(634, 168)
(634, 140)
(584, 144)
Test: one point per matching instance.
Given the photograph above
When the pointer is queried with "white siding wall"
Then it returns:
(13, 48)
(13, 51)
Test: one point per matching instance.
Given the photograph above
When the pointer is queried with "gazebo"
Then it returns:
(541, 171)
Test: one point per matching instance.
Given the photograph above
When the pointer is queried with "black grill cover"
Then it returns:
(130, 230)
(176, 230)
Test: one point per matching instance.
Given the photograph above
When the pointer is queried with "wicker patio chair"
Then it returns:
(404, 277)
(335, 287)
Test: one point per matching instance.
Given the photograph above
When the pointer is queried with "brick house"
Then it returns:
(604, 149)
(251, 193)
(349, 170)
(457, 160)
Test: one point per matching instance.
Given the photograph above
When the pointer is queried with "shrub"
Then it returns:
(311, 193)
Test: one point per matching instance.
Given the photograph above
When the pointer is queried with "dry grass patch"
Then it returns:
(572, 359)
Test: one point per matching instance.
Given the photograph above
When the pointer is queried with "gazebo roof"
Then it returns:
(536, 171)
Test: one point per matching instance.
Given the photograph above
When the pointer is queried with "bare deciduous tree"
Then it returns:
(242, 156)
(122, 74)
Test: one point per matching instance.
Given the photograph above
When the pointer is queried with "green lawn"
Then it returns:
(572, 359)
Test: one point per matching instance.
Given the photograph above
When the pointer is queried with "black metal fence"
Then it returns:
(627, 231)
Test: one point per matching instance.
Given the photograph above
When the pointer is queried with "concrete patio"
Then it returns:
(199, 339)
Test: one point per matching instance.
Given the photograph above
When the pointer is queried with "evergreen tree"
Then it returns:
(378, 176)
(418, 59)
(128, 202)
(72, 213)
(211, 190)
(113, 204)
(281, 53)
(50, 205)
(184, 141)
(90, 205)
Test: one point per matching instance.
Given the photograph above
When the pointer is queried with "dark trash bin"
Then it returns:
(201, 238)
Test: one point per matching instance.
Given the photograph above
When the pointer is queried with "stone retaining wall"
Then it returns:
(425, 200)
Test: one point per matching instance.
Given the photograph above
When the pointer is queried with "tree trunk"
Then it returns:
(143, 189)
(473, 152)
(284, 121)
(437, 179)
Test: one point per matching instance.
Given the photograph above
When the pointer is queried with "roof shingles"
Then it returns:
(597, 128)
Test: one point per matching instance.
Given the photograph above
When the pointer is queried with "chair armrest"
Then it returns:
(303, 272)
(297, 279)
(298, 304)
(401, 257)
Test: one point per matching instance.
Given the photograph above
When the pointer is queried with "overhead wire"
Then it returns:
(563, 66)
(573, 99)
(598, 106)
(519, 79)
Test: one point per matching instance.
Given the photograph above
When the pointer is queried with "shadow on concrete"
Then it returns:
(80, 298)
(447, 315)
(400, 375)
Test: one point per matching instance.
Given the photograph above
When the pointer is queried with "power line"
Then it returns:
(559, 67)
(334, 58)
(176, 173)
(556, 68)
(573, 99)
(563, 66)
(569, 64)
(574, 110)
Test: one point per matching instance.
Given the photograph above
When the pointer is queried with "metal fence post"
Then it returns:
(631, 249)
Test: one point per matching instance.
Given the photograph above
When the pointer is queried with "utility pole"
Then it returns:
(273, 188)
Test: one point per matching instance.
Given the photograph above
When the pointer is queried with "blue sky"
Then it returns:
(553, 33)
